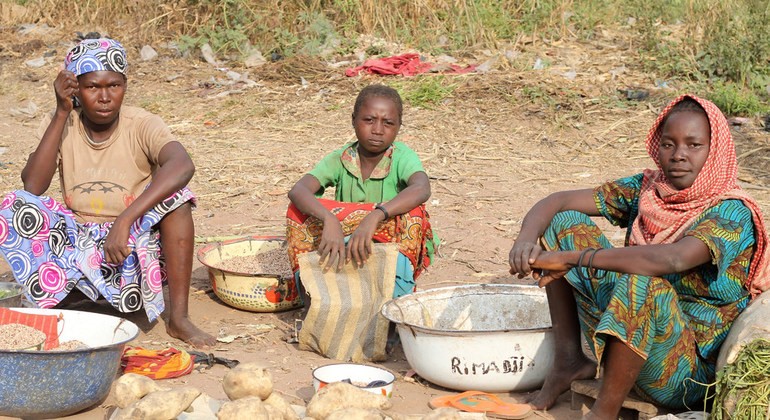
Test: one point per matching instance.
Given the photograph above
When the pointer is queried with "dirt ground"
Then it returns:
(501, 141)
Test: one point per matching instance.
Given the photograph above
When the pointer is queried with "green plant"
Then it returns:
(226, 39)
(226, 28)
(374, 50)
(742, 388)
(187, 43)
(151, 104)
(738, 48)
(538, 94)
(425, 91)
(734, 99)
(284, 41)
(318, 34)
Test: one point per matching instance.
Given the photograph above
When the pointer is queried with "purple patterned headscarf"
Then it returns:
(96, 55)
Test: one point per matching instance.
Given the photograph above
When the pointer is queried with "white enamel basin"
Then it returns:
(486, 337)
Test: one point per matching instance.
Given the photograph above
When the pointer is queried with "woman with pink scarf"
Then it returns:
(656, 311)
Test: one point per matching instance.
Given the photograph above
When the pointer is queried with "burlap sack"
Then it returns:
(344, 320)
(751, 324)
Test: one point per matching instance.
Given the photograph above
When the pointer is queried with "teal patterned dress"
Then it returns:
(676, 322)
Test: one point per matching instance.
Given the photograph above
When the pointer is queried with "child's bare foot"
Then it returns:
(186, 331)
(559, 380)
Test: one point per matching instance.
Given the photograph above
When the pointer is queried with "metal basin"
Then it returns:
(487, 337)
(10, 295)
(46, 384)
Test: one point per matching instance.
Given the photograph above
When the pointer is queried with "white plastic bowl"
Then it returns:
(486, 337)
(357, 373)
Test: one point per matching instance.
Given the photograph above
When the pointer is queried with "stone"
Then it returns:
(208, 55)
(254, 59)
(147, 53)
(488, 65)
(35, 62)
(25, 110)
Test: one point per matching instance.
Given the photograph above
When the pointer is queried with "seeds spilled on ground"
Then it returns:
(274, 261)
(19, 337)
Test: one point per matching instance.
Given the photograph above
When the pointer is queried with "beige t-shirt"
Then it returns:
(99, 180)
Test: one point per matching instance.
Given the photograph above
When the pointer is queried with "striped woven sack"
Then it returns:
(344, 320)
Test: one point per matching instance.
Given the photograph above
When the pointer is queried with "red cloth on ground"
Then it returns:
(48, 324)
(405, 65)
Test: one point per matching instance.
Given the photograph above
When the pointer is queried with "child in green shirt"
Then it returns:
(380, 191)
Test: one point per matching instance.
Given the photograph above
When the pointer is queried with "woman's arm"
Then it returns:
(647, 260)
(175, 170)
(526, 248)
(417, 191)
(332, 244)
(41, 165)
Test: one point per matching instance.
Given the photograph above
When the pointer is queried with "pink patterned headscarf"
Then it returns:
(666, 213)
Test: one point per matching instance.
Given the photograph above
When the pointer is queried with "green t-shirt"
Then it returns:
(340, 169)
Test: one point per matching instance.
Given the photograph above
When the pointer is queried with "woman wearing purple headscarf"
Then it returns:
(126, 224)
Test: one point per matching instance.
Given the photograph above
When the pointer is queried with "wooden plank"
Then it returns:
(585, 392)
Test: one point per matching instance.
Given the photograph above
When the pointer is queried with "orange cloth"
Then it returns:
(157, 364)
(48, 324)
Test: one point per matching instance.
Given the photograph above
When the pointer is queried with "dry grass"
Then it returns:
(467, 23)
(701, 47)
(145, 20)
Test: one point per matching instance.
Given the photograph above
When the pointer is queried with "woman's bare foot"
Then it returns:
(559, 380)
(186, 331)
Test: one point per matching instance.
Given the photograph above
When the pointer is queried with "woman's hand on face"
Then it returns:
(116, 248)
(521, 257)
(360, 243)
(65, 86)
(332, 246)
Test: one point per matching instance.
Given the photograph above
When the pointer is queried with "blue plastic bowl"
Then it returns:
(46, 384)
